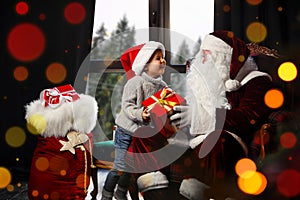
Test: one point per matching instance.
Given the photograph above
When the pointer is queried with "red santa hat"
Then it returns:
(135, 58)
(226, 42)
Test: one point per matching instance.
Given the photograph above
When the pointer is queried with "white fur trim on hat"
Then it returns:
(213, 43)
(151, 181)
(80, 115)
(145, 54)
(193, 189)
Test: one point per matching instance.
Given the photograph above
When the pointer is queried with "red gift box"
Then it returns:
(54, 97)
(161, 106)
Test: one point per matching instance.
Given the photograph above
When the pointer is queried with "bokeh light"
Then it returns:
(288, 140)
(80, 180)
(54, 195)
(254, 2)
(241, 58)
(287, 71)
(5, 177)
(63, 172)
(42, 163)
(274, 98)
(46, 196)
(244, 166)
(20, 73)
(10, 188)
(56, 73)
(226, 8)
(36, 124)
(22, 8)
(74, 13)
(35, 193)
(42, 16)
(26, 42)
(15, 136)
(252, 183)
(288, 182)
(256, 32)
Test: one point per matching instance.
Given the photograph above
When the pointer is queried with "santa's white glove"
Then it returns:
(182, 116)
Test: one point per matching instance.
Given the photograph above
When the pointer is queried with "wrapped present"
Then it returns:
(54, 97)
(163, 102)
(160, 105)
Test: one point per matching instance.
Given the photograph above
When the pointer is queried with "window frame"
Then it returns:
(159, 17)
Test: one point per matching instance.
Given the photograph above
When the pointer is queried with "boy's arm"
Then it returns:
(132, 91)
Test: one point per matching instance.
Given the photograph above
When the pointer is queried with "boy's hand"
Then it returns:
(146, 115)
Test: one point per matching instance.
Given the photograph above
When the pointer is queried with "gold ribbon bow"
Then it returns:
(166, 93)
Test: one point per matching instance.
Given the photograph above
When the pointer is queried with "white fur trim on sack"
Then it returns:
(144, 55)
(151, 181)
(80, 115)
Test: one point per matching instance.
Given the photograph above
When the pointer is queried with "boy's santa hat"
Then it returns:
(135, 58)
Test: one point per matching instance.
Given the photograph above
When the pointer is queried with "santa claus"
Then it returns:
(61, 163)
(225, 107)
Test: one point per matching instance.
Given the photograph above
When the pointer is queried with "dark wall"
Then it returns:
(281, 19)
(67, 42)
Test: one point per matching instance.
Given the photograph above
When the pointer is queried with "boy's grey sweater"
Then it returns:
(136, 90)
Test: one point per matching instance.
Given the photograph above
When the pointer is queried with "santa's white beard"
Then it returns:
(205, 93)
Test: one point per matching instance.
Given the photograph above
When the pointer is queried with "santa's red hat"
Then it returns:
(226, 42)
(135, 58)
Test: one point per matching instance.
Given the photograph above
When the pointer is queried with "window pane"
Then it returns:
(107, 88)
(178, 83)
(118, 25)
(190, 21)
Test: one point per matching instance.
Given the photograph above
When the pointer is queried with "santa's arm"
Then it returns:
(251, 111)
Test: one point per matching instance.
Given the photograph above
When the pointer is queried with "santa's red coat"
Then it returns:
(247, 115)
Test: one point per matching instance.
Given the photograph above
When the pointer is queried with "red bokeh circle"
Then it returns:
(26, 42)
(74, 13)
(22, 8)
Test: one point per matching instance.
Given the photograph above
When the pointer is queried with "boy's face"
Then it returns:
(157, 65)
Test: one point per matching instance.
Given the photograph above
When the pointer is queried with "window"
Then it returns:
(107, 88)
(118, 25)
(190, 21)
